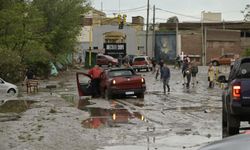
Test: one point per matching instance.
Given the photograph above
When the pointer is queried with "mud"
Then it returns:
(182, 119)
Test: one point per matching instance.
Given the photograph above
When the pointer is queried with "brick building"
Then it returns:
(207, 40)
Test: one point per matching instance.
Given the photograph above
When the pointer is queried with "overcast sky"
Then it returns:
(230, 9)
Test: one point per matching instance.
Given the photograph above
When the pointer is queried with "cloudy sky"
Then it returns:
(185, 10)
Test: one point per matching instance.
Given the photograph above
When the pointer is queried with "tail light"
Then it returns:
(114, 116)
(113, 82)
(142, 80)
(236, 90)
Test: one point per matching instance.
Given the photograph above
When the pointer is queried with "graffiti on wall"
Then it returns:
(165, 46)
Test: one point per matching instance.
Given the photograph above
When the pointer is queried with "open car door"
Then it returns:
(83, 84)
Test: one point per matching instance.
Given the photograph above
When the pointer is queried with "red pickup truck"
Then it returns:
(114, 82)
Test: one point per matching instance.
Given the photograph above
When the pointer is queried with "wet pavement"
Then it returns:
(182, 119)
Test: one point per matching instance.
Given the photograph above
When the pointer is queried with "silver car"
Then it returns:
(7, 89)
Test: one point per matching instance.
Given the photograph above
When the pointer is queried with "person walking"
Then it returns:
(161, 64)
(188, 75)
(194, 71)
(153, 65)
(177, 62)
(211, 75)
(95, 73)
(157, 69)
(184, 68)
(165, 74)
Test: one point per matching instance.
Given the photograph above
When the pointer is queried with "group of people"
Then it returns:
(189, 73)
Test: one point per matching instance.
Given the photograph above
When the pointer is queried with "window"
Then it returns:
(139, 59)
(244, 70)
(116, 73)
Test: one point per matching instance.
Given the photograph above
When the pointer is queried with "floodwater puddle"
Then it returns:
(109, 117)
(112, 117)
(15, 106)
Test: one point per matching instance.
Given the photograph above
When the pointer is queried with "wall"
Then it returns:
(165, 45)
(220, 42)
(191, 42)
(133, 39)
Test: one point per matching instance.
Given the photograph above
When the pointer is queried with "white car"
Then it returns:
(7, 89)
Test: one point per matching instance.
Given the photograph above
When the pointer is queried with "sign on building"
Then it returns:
(115, 49)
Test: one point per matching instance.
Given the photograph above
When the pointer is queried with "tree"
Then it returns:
(173, 19)
(34, 31)
(246, 12)
(63, 23)
(20, 26)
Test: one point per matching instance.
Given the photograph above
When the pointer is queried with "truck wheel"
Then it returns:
(233, 125)
(140, 95)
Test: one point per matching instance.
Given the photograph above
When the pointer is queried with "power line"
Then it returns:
(127, 12)
(179, 14)
(131, 9)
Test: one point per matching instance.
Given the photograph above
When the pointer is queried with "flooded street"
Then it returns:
(181, 119)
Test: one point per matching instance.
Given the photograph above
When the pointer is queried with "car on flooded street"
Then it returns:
(7, 89)
(106, 60)
(114, 82)
(142, 62)
(225, 59)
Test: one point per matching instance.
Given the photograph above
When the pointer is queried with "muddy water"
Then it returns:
(15, 106)
(103, 117)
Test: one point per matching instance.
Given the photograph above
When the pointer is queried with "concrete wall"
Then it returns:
(133, 39)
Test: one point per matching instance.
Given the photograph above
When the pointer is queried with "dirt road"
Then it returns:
(182, 119)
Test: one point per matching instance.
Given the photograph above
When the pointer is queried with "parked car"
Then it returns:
(142, 62)
(114, 82)
(239, 142)
(106, 60)
(226, 59)
(236, 97)
(7, 88)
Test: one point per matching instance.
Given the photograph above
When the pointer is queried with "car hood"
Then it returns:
(9, 85)
(239, 142)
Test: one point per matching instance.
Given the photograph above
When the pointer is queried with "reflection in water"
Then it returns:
(109, 117)
(100, 117)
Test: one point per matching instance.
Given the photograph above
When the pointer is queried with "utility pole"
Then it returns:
(147, 28)
(154, 31)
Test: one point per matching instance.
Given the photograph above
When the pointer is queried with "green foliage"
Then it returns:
(10, 65)
(247, 52)
(34, 32)
(20, 25)
(173, 19)
(38, 60)
(63, 23)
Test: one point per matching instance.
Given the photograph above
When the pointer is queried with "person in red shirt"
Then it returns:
(95, 73)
